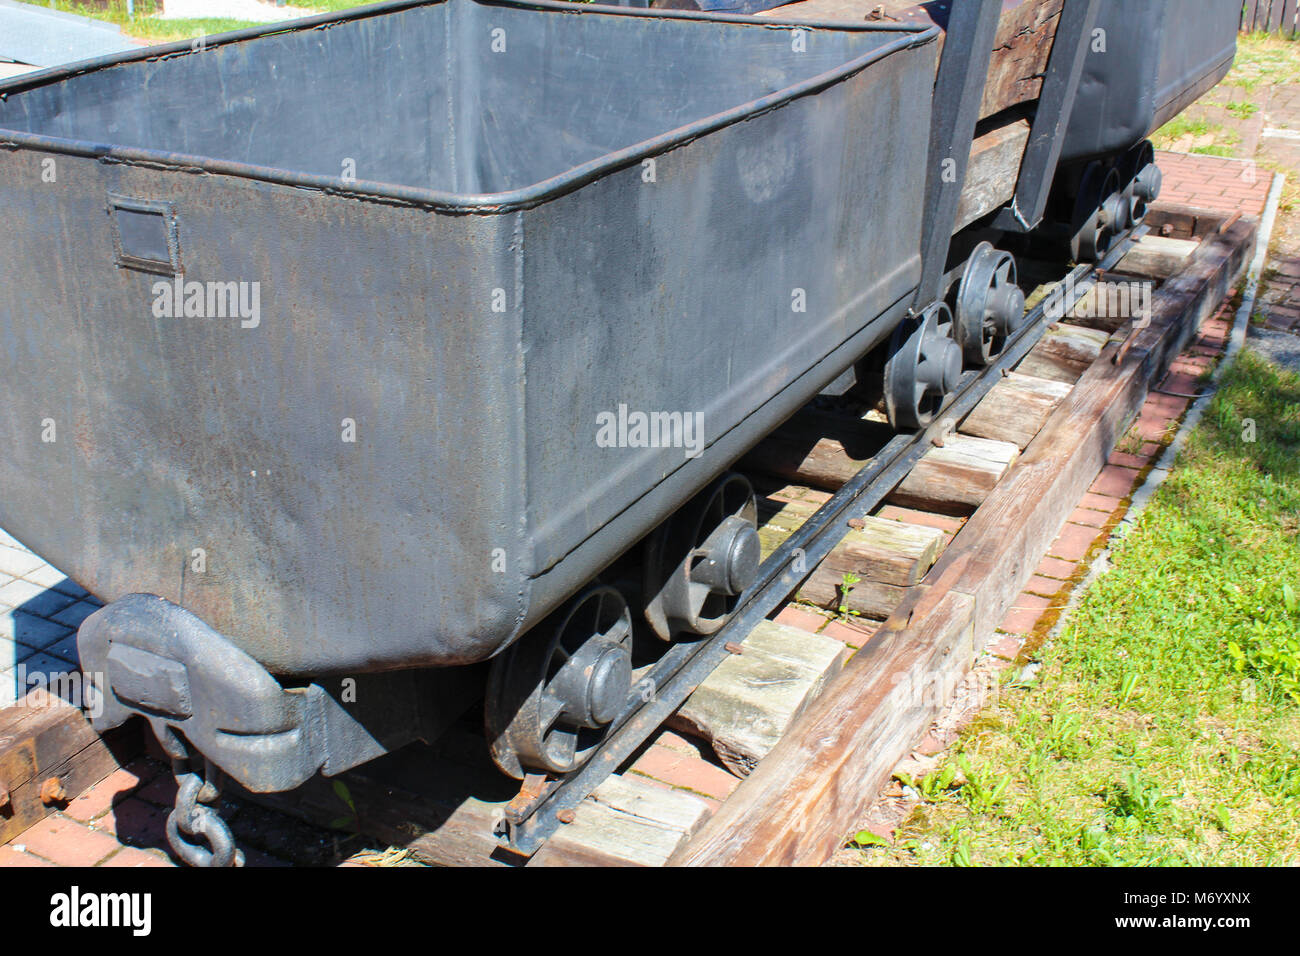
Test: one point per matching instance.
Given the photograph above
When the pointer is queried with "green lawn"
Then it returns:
(1164, 724)
(144, 27)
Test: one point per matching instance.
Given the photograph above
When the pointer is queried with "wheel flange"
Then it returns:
(923, 369)
(990, 304)
(552, 694)
(701, 560)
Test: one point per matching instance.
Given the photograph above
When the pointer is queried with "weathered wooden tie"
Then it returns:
(1016, 409)
(799, 801)
(49, 755)
(746, 704)
(626, 821)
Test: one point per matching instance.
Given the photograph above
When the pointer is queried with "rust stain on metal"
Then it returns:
(732, 647)
(565, 816)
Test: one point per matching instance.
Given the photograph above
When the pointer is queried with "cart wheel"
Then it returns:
(1100, 213)
(701, 560)
(552, 694)
(1142, 181)
(990, 305)
(923, 368)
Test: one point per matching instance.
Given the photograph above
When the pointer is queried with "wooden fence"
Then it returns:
(1270, 16)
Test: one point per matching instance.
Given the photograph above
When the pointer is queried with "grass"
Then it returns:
(1163, 726)
(1182, 126)
(144, 27)
(1264, 60)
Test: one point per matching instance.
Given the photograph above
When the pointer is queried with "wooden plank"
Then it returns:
(1275, 16)
(955, 479)
(791, 809)
(1016, 409)
(1288, 18)
(1261, 15)
(1157, 257)
(874, 600)
(625, 822)
(818, 449)
(1064, 353)
(45, 742)
(1248, 16)
(1184, 222)
(1020, 49)
(886, 561)
(993, 171)
(881, 549)
(796, 805)
(746, 704)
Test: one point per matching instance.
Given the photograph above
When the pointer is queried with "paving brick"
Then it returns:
(1154, 428)
(41, 669)
(31, 597)
(134, 858)
(1096, 502)
(100, 798)
(75, 590)
(930, 745)
(854, 632)
(1024, 614)
(1125, 460)
(136, 823)
(17, 561)
(36, 632)
(74, 614)
(161, 790)
(794, 616)
(9, 686)
(1086, 516)
(1181, 382)
(675, 741)
(47, 576)
(1043, 586)
(691, 773)
(68, 843)
(11, 857)
(1171, 406)
(65, 649)
(1115, 481)
(1007, 646)
(1073, 542)
(911, 516)
(1056, 568)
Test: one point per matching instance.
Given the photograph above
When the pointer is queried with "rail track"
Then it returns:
(538, 811)
(450, 806)
(407, 798)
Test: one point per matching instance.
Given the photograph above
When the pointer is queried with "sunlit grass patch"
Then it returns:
(1145, 739)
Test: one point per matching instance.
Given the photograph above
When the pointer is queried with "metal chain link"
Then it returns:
(192, 819)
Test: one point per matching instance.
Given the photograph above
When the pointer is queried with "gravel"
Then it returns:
(1280, 348)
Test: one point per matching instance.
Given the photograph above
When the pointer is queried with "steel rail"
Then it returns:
(533, 817)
